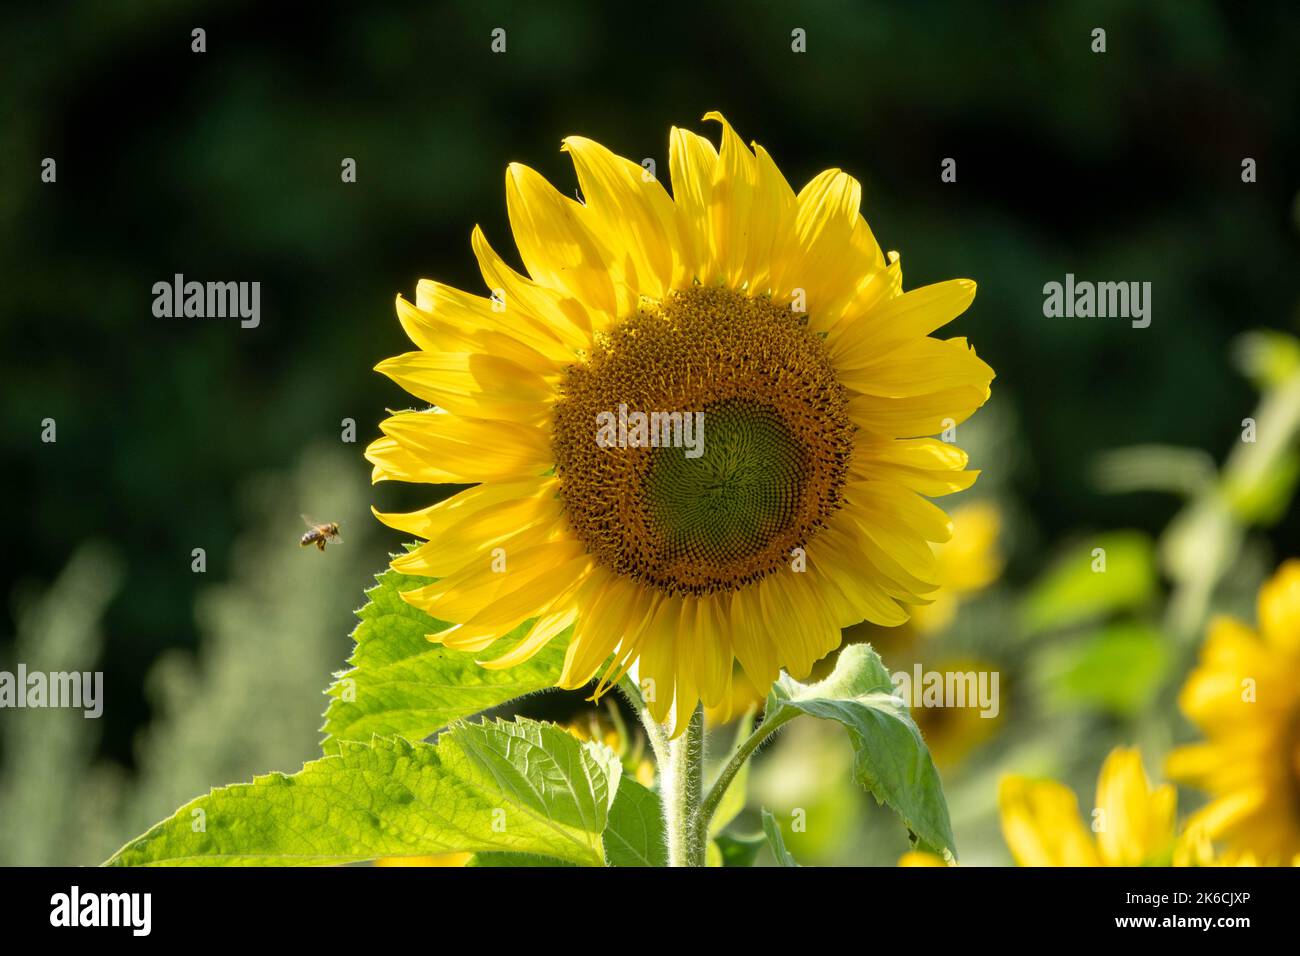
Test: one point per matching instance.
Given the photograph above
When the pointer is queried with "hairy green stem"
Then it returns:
(658, 739)
(681, 785)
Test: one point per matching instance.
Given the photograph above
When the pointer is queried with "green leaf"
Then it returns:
(775, 840)
(509, 787)
(1075, 589)
(1118, 670)
(635, 833)
(713, 854)
(402, 684)
(739, 850)
(890, 757)
(511, 860)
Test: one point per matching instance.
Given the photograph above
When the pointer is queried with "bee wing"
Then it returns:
(310, 522)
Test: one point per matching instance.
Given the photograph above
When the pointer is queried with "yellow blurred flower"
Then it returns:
(921, 858)
(967, 564)
(951, 733)
(1195, 848)
(1134, 822)
(613, 733)
(1245, 697)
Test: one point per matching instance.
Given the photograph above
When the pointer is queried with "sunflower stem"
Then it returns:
(681, 787)
(709, 805)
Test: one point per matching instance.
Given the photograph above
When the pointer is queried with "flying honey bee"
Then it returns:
(320, 533)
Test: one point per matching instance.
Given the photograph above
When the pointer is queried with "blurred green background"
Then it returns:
(179, 434)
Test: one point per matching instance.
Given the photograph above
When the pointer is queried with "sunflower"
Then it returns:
(775, 316)
(952, 733)
(1133, 821)
(1245, 696)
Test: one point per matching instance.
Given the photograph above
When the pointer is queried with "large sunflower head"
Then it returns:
(696, 429)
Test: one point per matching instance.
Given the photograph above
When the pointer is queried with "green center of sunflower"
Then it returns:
(738, 495)
(703, 441)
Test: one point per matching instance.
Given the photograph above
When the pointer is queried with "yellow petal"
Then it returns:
(842, 564)
(772, 243)
(658, 662)
(545, 630)
(919, 858)
(843, 611)
(631, 212)
(557, 249)
(1137, 822)
(751, 638)
(878, 286)
(1279, 608)
(606, 621)
(691, 162)
(685, 681)
(916, 416)
(1193, 763)
(434, 520)
(563, 318)
(895, 507)
(829, 265)
(510, 525)
(925, 465)
(1233, 659)
(469, 592)
(787, 631)
(1221, 818)
(641, 606)
(712, 649)
(875, 544)
(920, 367)
(896, 321)
(1040, 822)
(473, 384)
(492, 324)
(455, 329)
(438, 447)
(730, 204)
(818, 622)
